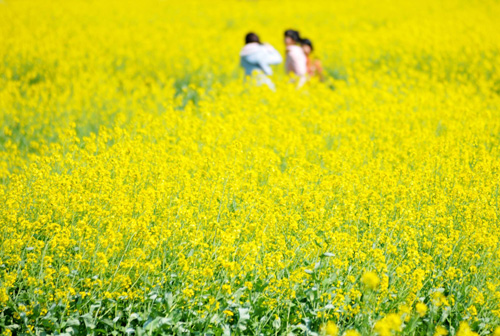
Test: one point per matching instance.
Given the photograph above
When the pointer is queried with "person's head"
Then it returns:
(291, 37)
(307, 46)
(251, 38)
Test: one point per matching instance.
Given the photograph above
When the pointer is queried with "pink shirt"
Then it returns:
(296, 60)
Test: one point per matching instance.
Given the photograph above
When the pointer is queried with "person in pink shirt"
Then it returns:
(314, 67)
(296, 60)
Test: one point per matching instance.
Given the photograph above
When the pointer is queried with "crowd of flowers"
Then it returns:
(145, 189)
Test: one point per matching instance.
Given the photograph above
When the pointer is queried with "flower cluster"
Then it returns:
(145, 188)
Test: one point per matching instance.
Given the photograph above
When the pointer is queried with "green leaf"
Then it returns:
(108, 322)
(277, 323)
(244, 314)
(215, 319)
(89, 321)
(72, 322)
(226, 330)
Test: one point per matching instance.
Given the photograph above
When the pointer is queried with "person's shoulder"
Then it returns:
(267, 46)
(296, 50)
(250, 48)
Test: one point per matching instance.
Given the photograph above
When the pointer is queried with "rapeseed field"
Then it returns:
(146, 189)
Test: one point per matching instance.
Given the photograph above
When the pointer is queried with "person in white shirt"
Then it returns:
(256, 59)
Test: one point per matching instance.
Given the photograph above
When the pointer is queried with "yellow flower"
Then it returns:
(421, 309)
(4, 297)
(188, 292)
(464, 330)
(330, 329)
(157, 175)
(351, 332)
(226, 288)
(440, 331)
(370, 280)
(388, 324)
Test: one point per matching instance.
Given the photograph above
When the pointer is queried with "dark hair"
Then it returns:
(306, 41)
(251, 38)
(293, 34)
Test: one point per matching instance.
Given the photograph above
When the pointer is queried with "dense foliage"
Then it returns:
(145, 189)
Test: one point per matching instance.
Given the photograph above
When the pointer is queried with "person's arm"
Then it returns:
(270, 56)
(300, 64)
(301, 82)
(319, 70)
(297, 63)
(265, 67)
(273, 57)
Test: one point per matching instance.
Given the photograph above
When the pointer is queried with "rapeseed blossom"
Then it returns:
(389, 324)
(440, 331)
(370, 280)
(144, 187)
(421, 309)
(464, 330)
(330, 329)
(352, 332)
